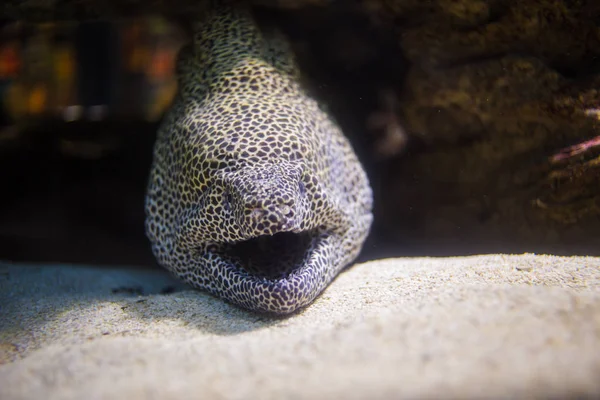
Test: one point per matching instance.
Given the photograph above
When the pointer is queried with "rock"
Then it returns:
(449, 32)
(488, 326)
(479, 99)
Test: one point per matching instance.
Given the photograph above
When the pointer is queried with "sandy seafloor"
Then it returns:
(491, 326)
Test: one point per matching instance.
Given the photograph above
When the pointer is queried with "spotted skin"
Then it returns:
(255, 195)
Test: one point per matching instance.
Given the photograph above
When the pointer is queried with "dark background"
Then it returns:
(73, 192)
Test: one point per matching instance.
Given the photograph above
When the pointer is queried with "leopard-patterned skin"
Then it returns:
(255, 195)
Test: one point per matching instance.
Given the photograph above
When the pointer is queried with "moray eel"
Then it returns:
(254, 194)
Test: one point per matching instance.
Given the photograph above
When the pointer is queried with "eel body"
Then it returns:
(254, 195)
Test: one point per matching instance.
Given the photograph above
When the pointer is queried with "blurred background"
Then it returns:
(88, 71)
(80, 104)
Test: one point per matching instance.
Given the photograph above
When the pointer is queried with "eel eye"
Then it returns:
(228, 200)
(301, 188)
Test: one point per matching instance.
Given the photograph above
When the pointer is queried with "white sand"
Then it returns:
(467, 327)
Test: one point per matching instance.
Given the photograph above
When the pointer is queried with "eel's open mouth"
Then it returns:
(276, 256)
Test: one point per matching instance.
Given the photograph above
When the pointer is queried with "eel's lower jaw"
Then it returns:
(273, 257)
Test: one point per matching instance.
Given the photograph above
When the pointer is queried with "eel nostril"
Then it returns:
(258, 213)
(286, 210)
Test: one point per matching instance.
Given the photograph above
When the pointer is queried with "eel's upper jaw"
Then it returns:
(275, 256)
